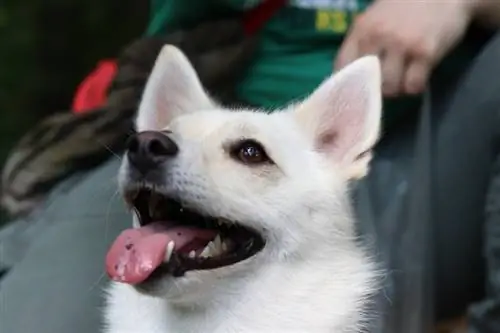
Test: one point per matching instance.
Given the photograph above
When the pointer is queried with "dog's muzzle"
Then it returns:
(173, 237)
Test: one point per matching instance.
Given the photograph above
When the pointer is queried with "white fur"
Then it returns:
(312, 276)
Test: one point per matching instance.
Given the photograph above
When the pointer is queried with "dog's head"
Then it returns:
(217, 191)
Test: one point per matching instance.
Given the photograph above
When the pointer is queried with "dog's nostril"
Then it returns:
(157, 148)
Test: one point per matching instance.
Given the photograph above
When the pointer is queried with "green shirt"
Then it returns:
(298, 45)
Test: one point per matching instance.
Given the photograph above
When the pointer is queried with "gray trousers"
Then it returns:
(421, 210)
(423, 205)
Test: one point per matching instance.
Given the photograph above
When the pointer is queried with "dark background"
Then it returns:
(47, 47)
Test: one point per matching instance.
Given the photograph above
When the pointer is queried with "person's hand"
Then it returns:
(409, 36)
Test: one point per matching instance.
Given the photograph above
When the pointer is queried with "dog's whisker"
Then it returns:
(96, 283)
(119, 157)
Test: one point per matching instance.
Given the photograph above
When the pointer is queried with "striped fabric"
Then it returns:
(66, 143)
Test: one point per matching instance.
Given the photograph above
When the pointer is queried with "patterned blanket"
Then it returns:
(66, 143)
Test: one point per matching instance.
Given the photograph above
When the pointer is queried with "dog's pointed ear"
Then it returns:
(342, 116)
(173, 88)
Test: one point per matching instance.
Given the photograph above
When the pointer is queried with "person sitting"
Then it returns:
(435, 64)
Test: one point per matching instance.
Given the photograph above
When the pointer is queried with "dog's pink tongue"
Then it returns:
(136, 253)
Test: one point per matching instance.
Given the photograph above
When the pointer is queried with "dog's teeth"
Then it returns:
(217, 242)
(136, 216)
(192, 254)
(206, 252)
(170, 250)
(227, 245)
(249, 244)
(215, 247)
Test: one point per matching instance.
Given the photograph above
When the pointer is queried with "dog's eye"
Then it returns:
(249, 152)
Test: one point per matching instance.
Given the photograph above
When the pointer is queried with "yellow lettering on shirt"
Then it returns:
(332, 20)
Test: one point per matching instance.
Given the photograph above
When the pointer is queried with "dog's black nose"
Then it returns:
(147, 150)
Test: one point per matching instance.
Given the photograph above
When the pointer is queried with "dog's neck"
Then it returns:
(277, 297)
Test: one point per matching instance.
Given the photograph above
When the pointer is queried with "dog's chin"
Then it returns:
(176, 289)
(183, 248)
(194, 286)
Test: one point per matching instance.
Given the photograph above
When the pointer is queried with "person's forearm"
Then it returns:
(486, 12)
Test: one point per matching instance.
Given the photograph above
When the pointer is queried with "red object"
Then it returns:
(257, 17)
(91, 93)
(137, 252)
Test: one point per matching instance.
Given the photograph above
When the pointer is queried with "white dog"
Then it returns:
(242, 218)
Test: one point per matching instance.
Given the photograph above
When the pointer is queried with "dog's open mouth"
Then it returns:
(173, 239)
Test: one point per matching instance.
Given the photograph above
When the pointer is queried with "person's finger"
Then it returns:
(393, 72)
(416, 76)
(369, 45)
(348, 52)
